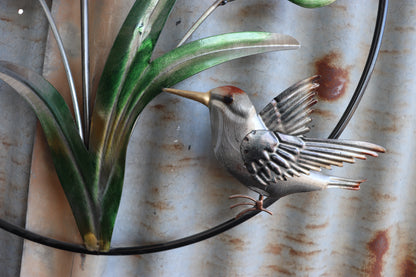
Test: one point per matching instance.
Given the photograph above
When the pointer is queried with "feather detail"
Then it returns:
(280, 156)
(289, 112)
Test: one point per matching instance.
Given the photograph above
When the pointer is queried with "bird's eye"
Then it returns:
(228, 99)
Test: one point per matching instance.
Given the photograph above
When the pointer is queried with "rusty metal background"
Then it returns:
(22, 40)
(173, 184)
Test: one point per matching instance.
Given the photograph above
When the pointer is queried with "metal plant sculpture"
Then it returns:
(90, 159)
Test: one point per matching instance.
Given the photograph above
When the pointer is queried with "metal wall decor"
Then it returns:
(81, 148)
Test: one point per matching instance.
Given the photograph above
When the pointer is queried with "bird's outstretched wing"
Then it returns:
(271, 156)
(288, 112)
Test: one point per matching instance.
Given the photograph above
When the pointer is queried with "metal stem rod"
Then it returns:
(367, 71)
(195, 26)
(85, 67)
(66, 65)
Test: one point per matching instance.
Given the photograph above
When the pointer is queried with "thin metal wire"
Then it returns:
(85, 68)
(152, 248)
(66, 65)
(368, 69)
(204, 16)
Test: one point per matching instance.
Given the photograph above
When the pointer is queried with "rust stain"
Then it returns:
(294, 252)
(392, 128)
(409, 267)
(405, 29)
(169, 167)
(378, 246)
(280, 270)
(237, 243)
(175, 100)
(5, 19)
(7, 144)
(334, 79)
(182, 163)
(340, 7)
(324, 113)
(299, 238)
(16, 161)
(395, 51)
(189, 159)
(259, 9)
(158, 107)
(168, 116)
(354, 198)
(173, 147)
(159, 205)
(317, 226)
(296, 208)
(383, 196)
(273, 248)
(383, 113)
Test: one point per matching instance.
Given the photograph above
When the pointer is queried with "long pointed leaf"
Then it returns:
(312, 3)
(192, 58)
(69, 154)
(130, 55)
(131, 52)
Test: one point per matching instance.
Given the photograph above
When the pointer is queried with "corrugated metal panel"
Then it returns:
(22, 41)
(174, 187)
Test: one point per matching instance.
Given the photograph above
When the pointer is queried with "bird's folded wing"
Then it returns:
(271, 156)
(288, 112)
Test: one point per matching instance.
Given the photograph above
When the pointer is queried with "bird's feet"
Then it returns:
(257, 205)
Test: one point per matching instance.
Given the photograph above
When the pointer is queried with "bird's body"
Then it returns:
(267, 151)
(228, 133)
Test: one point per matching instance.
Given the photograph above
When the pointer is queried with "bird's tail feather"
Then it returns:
(344, 183)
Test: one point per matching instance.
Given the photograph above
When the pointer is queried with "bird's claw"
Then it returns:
(257, 204)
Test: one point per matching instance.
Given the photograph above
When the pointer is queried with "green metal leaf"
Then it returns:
(312, 3)
(130, 54)
(70, 157)
(184, 62)
(194, 57)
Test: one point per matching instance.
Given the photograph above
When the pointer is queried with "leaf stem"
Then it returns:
(66, 65)
(201, 19)
(85, 67)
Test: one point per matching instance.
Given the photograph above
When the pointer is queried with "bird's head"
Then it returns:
(228, 100)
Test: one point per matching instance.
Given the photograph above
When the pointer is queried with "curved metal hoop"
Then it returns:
(146, 249)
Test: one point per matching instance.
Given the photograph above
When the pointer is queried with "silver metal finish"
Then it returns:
(174, 186)
(85, 67)
(64, 58)
(267, 152)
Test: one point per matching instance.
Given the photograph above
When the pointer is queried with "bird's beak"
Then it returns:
(201, 97)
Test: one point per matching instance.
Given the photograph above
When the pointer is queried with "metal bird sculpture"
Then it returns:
(267, 151)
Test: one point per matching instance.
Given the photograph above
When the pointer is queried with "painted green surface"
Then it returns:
(312, 3)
